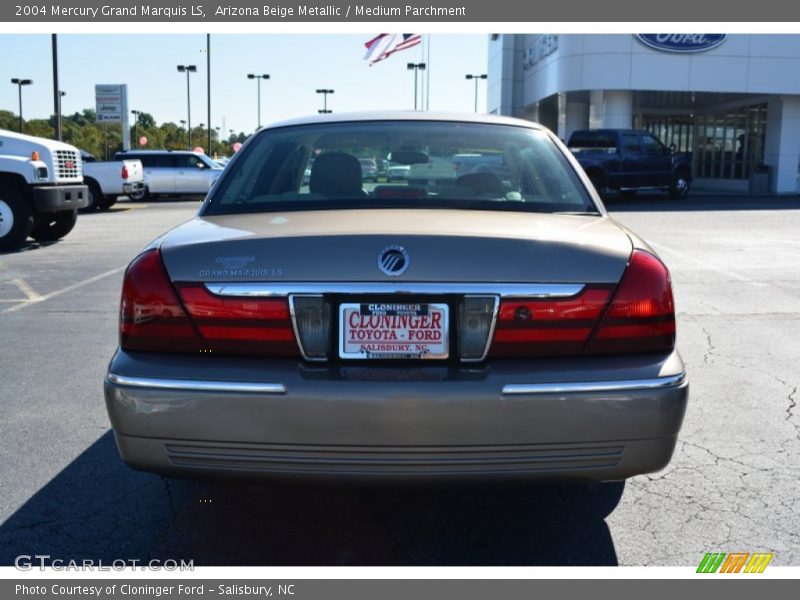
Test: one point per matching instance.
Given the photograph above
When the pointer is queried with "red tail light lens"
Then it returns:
(641, 317)
(124, 171)
(230, 325)
(548, 327)
(151, 317)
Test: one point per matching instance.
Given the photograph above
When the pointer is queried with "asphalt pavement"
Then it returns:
(733, 484)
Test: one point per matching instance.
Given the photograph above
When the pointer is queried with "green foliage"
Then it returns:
(82, 130)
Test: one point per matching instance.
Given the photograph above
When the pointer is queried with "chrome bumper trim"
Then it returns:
(197, 385)
(594, 386)
(504, 290)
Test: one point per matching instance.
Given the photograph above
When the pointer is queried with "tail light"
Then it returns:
(638, 316)
(641, 317)
(151, 316)
(231, 325)
(124, 171)
(548, 326)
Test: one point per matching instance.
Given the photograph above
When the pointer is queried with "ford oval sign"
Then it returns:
(682, 42)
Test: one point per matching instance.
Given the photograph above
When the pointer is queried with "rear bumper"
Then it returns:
(61, 197)
(128, 188)
(599, 419)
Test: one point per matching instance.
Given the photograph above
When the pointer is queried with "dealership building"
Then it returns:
(731, 101)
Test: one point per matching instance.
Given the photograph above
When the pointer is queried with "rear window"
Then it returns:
(592, 139)
(430, 164)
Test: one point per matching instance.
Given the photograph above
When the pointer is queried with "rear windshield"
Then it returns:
(422, 164)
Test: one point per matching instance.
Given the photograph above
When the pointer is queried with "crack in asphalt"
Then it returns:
(709, 351)
(173, 513)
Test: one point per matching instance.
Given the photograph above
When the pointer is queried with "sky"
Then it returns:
(297, 64)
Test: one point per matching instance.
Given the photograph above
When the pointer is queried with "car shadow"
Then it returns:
(29, 245)
(97, 508)
(659, 202)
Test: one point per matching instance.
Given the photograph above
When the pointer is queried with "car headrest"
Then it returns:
(336, 174)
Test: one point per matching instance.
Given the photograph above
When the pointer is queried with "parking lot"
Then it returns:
(733, 484)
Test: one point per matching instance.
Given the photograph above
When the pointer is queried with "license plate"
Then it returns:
(384, 330)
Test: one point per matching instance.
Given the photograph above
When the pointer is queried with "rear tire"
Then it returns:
(679, 187)
(95, 197)
(16, 217)
(598, 183)
(107, 202)
(54, 226)
(139, 195)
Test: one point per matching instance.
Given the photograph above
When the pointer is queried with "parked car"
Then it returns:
(476, 163)
(628, 161)
(173, 172)
(436, 170)
(369, 169)
(467, 330)
(41, 189)
(396, 172)
(109, 180)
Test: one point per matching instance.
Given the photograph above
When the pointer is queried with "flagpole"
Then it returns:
(423, 86)
(428, 74)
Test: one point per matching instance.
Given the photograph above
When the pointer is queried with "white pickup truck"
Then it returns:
(41, 189)
(108, 180)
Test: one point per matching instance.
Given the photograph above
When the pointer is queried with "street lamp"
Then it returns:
(188, 69)
(258, 79)
(476, 78)
(135, 123)
(416, 67)
(19, 83)
(324, 93)
(183, 123)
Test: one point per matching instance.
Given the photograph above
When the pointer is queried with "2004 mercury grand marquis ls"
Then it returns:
(495, 322)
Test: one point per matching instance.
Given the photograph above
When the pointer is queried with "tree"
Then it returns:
(145, 120)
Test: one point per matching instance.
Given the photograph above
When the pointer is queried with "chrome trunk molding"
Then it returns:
(504, 290)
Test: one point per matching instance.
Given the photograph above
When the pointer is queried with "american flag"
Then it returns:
(384, 45)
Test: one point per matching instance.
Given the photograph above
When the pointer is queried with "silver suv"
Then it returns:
(173, 172)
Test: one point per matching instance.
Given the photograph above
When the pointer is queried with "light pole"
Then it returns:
(416, 67)
(183, 123)
(188, 69)
(476, 78)
(258, 79)
(61, 94)
(325, 93)
(135, 123)
(19, 83)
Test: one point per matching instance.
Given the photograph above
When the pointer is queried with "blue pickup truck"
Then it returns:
(627, 160)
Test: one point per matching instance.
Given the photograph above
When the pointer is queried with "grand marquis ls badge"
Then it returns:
(393, 260)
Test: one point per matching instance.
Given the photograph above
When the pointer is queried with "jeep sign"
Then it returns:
(111, 106)
(682, 42)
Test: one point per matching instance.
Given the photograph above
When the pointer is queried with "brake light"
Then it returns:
(124, 171)
(641, 317)
(548, 326)
(151, 317)
(154, 317)
(231, 325)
